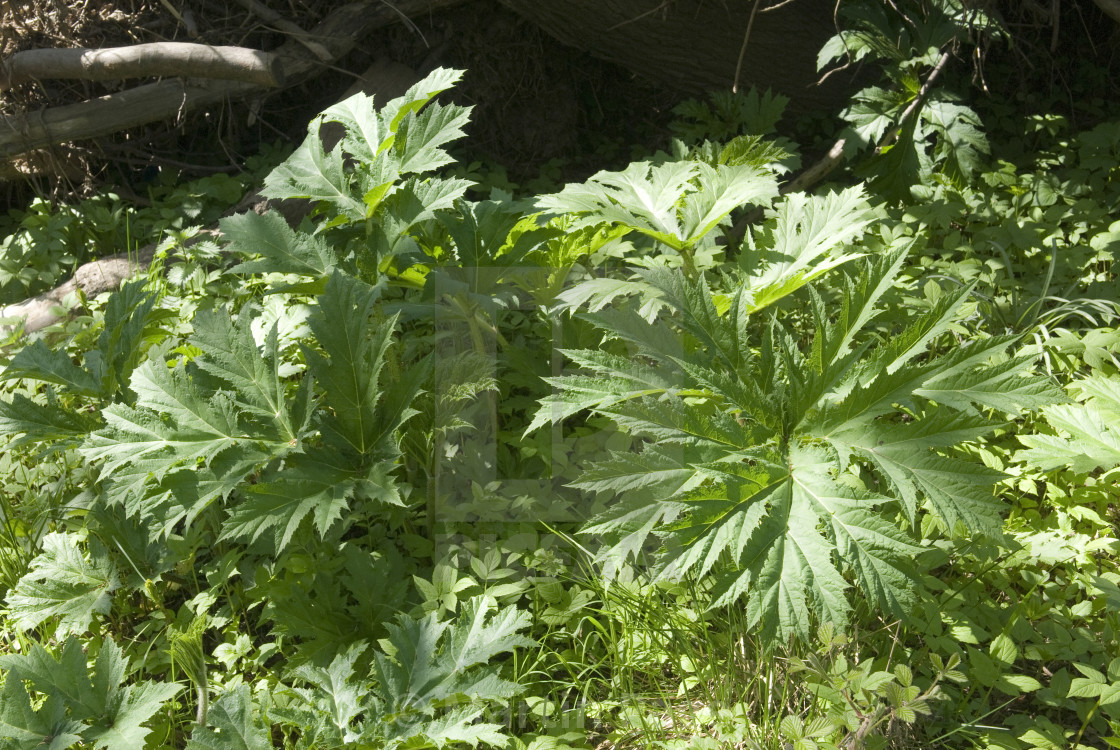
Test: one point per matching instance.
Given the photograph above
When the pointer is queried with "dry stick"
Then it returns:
(143, 61)
(743, 48)
(781, 4)
(269, 16)
(186, 18)
(923, 93)
(107, 274)
(1055, 16)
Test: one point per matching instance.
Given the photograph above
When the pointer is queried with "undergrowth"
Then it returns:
(591, 467)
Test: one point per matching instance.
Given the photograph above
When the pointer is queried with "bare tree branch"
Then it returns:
(143, 61)
(1111, 8)
(168, 99)
(271, 17)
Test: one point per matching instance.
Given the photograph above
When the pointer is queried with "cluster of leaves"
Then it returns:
(45, 242)
(338, 485)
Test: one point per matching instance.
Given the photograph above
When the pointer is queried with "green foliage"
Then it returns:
(425, 669)
(232, 725)
(918, 130)
(97, 709)
(1087, 437)
(45, 242)
(858, 698)
(337, 486)
(66, 584)
(758, 443)
(199, 429)
(676, 204)
(369, 187)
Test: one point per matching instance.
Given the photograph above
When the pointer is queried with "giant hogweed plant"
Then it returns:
(791, 470)
(787, 468)
(258, 448)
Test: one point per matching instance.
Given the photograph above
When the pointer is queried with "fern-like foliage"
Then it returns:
(787, 469)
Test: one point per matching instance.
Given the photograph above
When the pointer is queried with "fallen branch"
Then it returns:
(384, 80)
(277, 21)
(168, 99)
(1111, 8)
(144, 61)
(818, 171)
(92, 279)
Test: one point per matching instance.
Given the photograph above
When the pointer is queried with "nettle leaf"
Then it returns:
(432, 661)
(231, 725)
(198, 430)
(349, 369)
(799, 242)
(64, 583)
(756, 437)
(309, 484)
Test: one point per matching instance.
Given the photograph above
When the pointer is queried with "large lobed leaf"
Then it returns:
(98, 709)
(757, 467)
(677, 203)
(64, 583)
